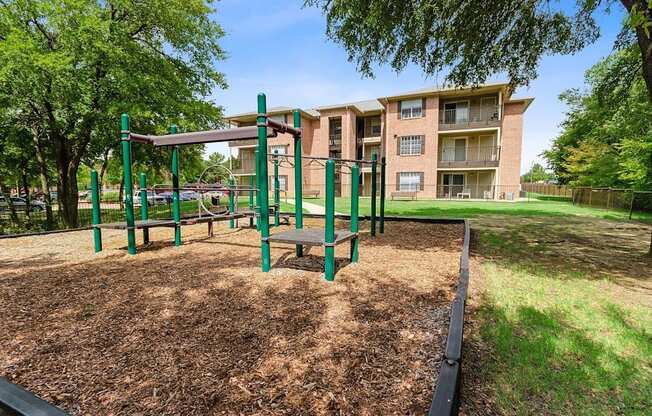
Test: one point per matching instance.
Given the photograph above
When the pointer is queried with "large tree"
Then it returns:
(473, 40)
(70, 67)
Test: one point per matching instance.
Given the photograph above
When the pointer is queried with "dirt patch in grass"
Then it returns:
(200, 330)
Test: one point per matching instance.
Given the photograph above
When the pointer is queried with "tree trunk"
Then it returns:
(44, 177)
(68, 196)
(6, 192)
(25, 184)
(645, 45)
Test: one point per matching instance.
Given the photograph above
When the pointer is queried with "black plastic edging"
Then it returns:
(24, 403)
(446, 398)
(37, 233)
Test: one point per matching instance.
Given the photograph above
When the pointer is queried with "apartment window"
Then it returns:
(374, 124)
(280, 149)
(411, 108)
(282, 183)
(279, 118)
(456, 112)
(410, 181)
(410, 145)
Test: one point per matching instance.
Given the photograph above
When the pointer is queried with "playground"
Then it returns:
(200, 329)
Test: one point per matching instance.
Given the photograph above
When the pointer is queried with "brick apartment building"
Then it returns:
(438, 143)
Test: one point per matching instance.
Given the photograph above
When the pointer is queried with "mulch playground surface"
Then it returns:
(200, 330)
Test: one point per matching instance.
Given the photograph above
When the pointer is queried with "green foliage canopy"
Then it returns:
(606, 138)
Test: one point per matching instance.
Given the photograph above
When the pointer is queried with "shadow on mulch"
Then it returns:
(199, 331)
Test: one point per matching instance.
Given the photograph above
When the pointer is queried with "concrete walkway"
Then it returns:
(312, 208)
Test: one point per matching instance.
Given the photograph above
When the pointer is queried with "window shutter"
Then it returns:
(398, 146)
(421, 184)
(423, 107)
(423, 145)
(399, 110)
(398, 181)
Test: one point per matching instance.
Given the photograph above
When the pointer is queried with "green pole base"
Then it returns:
(97, 235)
(299, 250)
(354, 250)
(131, 242)
(329, 264)
(145, 236)
(177, 235)
(265, 256)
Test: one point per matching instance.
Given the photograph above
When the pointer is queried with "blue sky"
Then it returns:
(315, 71)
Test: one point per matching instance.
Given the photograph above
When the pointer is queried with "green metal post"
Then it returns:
(277, 192)
(231, 202)
(261, 122)
(97, 220)
(128, 184)
(144, 214)
(257, 207)
(329, 237)
(176, 203)
(355, 180)
(298, 175)
(373, 194)
(251, 200)
(382, 194)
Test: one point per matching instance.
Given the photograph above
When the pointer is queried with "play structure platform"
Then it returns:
(138, 225)
(311, 237)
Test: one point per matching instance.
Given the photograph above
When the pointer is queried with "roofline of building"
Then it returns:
(525, 100)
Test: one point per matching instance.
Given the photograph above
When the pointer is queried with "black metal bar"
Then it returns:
(445, 400)
(21, 401)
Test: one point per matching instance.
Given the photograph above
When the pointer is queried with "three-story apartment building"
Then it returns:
(438, 143)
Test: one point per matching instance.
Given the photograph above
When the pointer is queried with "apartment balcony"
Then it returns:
(478, 192)
(468, 157)
(473, 117)
(244, 164)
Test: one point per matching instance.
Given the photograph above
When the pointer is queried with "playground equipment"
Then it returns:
(265, 128)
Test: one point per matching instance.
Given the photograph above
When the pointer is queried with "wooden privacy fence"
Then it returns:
(606, 198)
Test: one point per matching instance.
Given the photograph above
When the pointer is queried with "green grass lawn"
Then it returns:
(473, 209)
(563, 315)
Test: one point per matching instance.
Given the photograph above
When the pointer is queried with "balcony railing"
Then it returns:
(473, 117)
(460, 192)
(469, 156)
(245, 164)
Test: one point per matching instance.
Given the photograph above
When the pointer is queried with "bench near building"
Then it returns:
(438, 143)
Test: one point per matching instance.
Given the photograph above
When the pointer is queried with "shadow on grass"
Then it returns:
(541, 361)
(569, 247)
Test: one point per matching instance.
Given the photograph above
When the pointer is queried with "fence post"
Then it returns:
(231, 203)
(329, 237)
(373, 194)
(97, 220)
(144, 214)
(128, 184)
(355, 178)
(251, 200)
(277, 192)
(176, 204)
(382, 194)
(261, 122)
(298, 182)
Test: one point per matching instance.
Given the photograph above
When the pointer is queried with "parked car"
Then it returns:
(20, 204)
(152, 198)
(189, 196)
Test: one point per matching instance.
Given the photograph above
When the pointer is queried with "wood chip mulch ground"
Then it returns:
(200, 330)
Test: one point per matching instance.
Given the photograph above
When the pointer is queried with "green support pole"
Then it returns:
(373, 194)
(355, 180)
(97, 220)
(128, 184)
(277, 192)
(257, 207)
(251, 200)
(382, 195)
(144, 214)
(176, 203)
(231, 203)
(329, 237)
(298, 175)
(261, 122)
